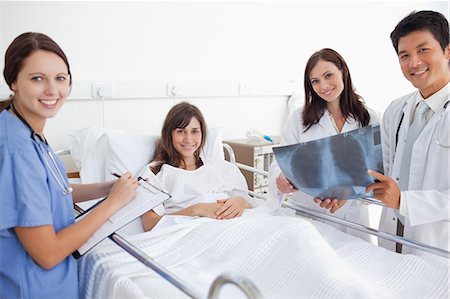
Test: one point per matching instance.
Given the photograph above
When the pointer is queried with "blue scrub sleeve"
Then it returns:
(25, 196)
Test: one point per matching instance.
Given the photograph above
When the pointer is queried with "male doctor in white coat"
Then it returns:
(421, 41)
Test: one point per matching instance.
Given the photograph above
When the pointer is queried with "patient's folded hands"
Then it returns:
(332, 204)
(232, 207)
(206, 209)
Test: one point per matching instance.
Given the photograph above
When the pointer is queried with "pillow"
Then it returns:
(87, 147)
(99, 151)
(213, 148)
(127, 152)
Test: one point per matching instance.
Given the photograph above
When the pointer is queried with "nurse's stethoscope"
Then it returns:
(440, 124)
(58, 176)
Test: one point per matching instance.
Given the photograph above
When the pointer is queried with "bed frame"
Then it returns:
(247, 286)
(300, 210)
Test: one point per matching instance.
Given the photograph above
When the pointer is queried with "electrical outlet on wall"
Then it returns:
(175, 89)
(102, 90)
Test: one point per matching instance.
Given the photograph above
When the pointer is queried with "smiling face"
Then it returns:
(423, 62)
(41, 87)
(187, 141)
(326, 80)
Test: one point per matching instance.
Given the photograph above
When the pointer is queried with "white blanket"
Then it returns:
(284, 256)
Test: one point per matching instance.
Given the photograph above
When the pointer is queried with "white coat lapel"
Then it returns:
(350, 124)
(423, 147)
(326, 124)
(402, 133)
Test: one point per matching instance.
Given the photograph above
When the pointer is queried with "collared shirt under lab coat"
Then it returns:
(294, 133)
(425, 204)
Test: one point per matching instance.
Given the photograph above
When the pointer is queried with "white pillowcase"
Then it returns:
(99, 151)
(87, 149)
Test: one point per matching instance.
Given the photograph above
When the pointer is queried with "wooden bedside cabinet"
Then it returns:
(257, 154)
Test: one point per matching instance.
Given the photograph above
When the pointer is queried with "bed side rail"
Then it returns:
(243, 283)
(249, 289)
(314, 214)
(359, 227)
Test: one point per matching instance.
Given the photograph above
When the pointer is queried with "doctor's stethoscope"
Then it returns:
(58, 176)
(440, 124)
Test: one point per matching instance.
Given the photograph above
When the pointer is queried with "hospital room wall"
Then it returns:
(238, 61)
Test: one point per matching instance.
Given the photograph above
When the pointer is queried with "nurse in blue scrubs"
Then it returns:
(37, 229)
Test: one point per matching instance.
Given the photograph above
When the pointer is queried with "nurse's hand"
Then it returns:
(284, 185)
(385, 190)
(331, 204)
(123, 190)
(232, 207)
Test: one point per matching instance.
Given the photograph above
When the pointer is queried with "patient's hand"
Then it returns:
(332, 204)
(206, 209)
(232, 207)
(284, 185)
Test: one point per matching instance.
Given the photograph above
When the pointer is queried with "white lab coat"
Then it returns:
(353, 210)
(425, 204)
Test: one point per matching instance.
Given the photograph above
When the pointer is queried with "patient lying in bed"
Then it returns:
(283, 256)
(199, 187)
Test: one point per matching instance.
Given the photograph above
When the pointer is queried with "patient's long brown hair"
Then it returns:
(178, 117)
(351, 103)
(20, 49)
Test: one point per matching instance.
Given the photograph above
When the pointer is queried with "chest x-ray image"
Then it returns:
(333, 167)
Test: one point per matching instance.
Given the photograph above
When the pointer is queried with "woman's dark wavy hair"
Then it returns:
(20, 49)
(351, 103)
(178, 117)
(427, 20)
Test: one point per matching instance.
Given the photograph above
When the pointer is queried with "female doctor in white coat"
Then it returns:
(421, 41)
(331, 107)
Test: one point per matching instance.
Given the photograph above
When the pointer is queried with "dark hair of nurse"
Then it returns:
(20, 49)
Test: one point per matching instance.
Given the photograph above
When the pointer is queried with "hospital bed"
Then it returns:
(328, 263)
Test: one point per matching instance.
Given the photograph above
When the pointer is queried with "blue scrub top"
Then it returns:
(30, 196)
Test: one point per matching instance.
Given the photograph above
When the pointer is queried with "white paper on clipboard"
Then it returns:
(147, 197)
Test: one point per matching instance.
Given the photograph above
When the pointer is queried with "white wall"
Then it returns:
(238, 61)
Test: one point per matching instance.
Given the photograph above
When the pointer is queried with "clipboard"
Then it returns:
(335, 166)
(147, 197)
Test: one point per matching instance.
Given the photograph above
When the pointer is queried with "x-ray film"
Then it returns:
(334, 167)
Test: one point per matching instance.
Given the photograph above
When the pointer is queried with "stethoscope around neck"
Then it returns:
(440, 124)
(58, 176)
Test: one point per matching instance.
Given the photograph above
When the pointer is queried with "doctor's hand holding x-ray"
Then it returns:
(385, 190)
(331, 204)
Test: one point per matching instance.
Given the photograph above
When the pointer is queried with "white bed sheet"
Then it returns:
(284, 256)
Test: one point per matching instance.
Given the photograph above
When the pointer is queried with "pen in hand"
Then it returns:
(145, 181)
(118, 176)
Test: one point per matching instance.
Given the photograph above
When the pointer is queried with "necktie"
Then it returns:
(419, 122)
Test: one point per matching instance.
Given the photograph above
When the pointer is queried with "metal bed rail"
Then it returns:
(243, 283)
(362, 228)
(314, 214)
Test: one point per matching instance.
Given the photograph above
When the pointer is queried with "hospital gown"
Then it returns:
(216, 179)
